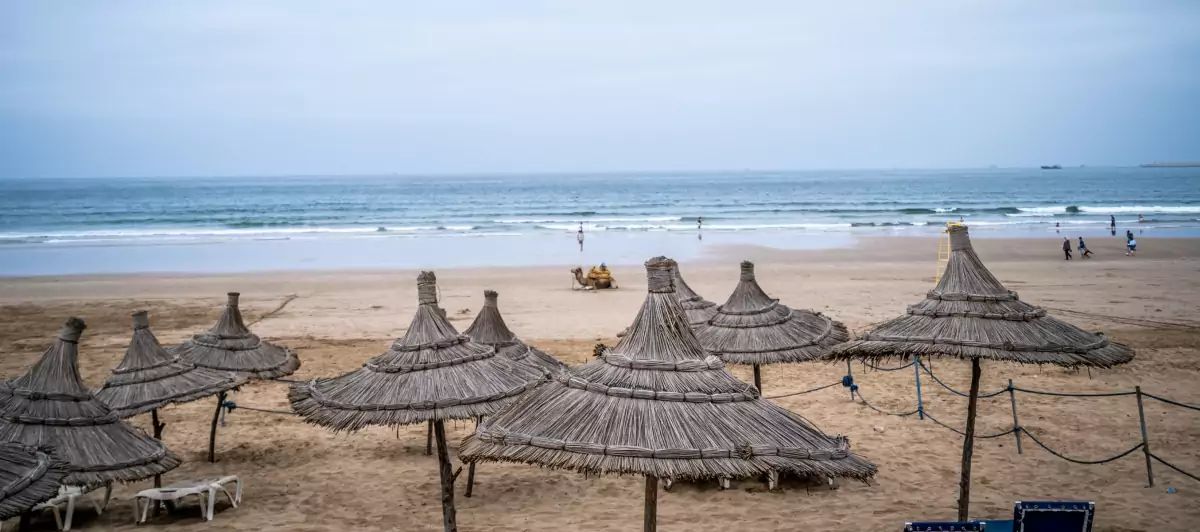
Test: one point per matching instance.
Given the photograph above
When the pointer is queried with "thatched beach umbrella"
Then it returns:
(432, 373)
(697, 309)
(970, 315)
(28, 476)
(51, 406)
(752, 328)
(657, 405)
(229, 346)
(489, 329)
(150, 377)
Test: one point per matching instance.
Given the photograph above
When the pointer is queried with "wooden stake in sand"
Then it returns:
(650, 513)
(688, 396)
(752, 328)
(447, 476)
(430, 375)
(212, 433)
(962, 317)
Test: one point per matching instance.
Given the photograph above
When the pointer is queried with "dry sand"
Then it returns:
(300, 477)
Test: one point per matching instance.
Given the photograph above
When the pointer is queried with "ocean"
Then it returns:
(227, 224)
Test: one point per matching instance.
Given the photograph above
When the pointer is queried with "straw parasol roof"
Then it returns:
(971, 315)
(657, 405)
(432, 372)
(51, 406)
(150, 377)
(489, 329)
(752, 328)
(697, 309)
(28, 476)
(230, 346)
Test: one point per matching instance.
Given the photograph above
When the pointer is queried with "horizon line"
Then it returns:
(540, 173)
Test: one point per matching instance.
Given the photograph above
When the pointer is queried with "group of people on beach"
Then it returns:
(1084, 252)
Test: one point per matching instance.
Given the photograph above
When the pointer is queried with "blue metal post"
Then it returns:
(917, 375)
(851, 374)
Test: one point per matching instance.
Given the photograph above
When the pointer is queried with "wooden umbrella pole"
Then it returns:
(650, 517)
(964, 484)
(448, 517)
(757, 378)
(158, 428)
(471, 467)
(212, 434)
(429, 439)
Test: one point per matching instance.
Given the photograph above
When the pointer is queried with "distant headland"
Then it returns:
(1175, 164)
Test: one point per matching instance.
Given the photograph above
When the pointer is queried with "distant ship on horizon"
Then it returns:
(1051, 167)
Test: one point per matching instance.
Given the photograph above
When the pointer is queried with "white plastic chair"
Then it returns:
(68, 495)
(173, 492)
(205, 490)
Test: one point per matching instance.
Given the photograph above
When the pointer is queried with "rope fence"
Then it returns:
(878, 368)
(811, 390)
(1170, 402)
(1017, 429)
(873, 407)
(1078, 460)
(919, 367)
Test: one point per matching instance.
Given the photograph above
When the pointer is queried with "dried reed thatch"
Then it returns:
(489, 329)
(28, 476)
(432, 373)
(752, 328)
(971, 315)
(150, 377)
(51, 406)
(657, 405)
(696, 309)
(230, 346)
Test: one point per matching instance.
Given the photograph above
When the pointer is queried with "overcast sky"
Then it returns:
(249, 88)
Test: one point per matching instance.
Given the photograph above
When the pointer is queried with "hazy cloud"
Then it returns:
(204, 88)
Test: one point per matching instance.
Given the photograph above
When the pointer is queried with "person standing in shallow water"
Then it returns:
(1067, 247)
(1084, 252)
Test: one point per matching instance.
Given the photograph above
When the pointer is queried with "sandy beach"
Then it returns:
(301, 477)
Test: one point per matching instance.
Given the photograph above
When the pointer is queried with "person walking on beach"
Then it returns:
(1067, 247)
(1128, 236)
(1084, 252)
(1112, 222)
(1131, 247)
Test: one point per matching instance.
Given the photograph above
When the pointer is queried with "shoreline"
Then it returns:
(529, 251)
